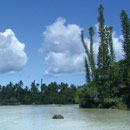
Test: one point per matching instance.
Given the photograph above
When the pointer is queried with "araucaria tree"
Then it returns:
(126, 47)
(88, 78)
(126, 34)
(106, 54)
(112, 53)
(92, 60)
(90, 71)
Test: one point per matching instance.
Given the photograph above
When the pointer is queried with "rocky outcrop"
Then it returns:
(57, 117)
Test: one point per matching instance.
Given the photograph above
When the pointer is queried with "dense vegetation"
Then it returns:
(37, 94)
(108, 81)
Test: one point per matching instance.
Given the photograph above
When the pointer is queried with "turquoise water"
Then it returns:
(40, 118)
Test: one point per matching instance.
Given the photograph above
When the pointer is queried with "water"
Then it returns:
(40, 118)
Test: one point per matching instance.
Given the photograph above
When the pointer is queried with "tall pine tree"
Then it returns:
(126, 46)
(89, 52)
(88, 79)
(85, 46)
(109, 42)
(91, 33)
(112, 53)
(126, 34)
(103, 54)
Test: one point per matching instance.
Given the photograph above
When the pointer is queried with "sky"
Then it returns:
(41, 38)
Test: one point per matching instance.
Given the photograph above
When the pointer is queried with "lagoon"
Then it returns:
(39, 117)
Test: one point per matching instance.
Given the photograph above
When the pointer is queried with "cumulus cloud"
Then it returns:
(12, 55)
(63, 50)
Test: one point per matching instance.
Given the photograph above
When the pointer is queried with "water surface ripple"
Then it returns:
(39, 117)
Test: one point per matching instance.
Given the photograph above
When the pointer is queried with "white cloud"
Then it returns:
(64, 51)
(12, 55)
(117, 42)
(63, 48)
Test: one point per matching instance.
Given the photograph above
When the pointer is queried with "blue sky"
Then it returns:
(34, 34)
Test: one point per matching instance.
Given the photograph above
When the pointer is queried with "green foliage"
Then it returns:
(110, 42)
(114, 93)
(126, 46)
(92, 62)
(90, 55)
(103, 53)
(126, 34)
(110, 87)
(85, 46)
(87, 96)
(46, 94)
(87, 71)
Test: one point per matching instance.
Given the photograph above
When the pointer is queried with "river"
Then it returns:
(39, 117)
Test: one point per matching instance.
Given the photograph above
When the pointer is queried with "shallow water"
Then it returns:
(40, 118)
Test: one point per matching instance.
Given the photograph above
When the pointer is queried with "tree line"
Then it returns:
(108, 80)
(52, 93)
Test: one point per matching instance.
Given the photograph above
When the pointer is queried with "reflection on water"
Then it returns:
(40, 118)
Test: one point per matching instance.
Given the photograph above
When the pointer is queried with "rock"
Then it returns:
(58, 117)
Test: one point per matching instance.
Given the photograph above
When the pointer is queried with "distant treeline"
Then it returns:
(52, 93)
(108, 81)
